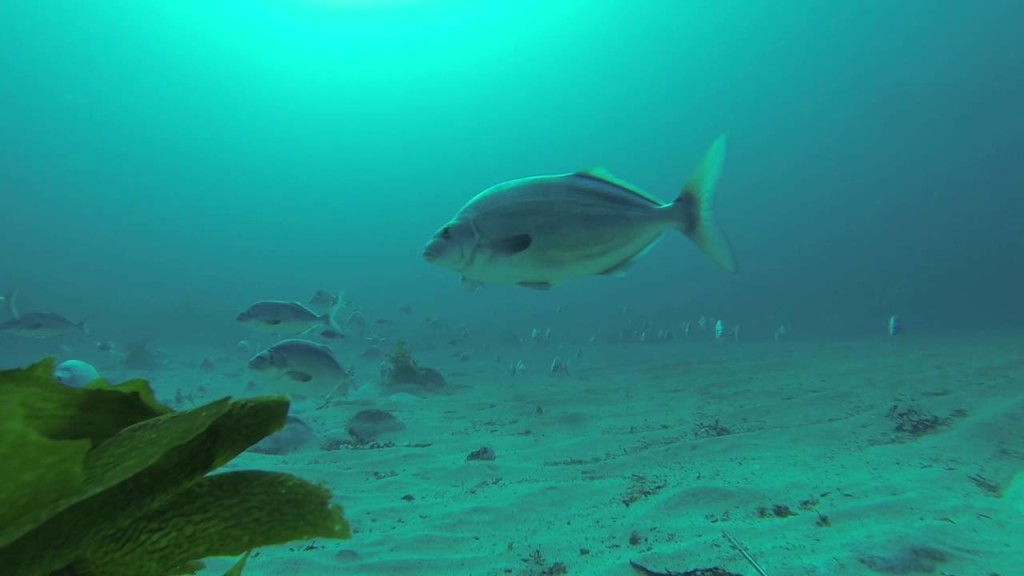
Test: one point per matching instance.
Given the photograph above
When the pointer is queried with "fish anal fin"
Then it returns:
(536, 285)
(619, 270)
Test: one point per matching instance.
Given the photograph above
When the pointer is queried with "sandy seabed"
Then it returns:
(893, 456)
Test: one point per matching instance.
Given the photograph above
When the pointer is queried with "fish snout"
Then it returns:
(260, 362)
(431, 252)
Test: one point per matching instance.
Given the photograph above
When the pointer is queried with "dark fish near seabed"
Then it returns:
(37, 324)
(279, 317)
(303, 367)
(545, 230)
(42, 325)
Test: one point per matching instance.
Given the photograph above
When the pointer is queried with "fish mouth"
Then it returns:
(429, 255)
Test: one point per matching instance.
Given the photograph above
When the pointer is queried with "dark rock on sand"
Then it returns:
(368, 425)
(484, 453)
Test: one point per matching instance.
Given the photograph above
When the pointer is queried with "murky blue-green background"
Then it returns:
(163, 164)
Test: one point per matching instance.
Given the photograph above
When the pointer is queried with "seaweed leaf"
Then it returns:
(104, 480)
(236, 570)
(221, 515)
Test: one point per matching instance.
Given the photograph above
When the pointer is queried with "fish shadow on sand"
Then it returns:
(907, 560)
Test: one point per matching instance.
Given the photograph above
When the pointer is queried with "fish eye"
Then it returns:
(446, 232)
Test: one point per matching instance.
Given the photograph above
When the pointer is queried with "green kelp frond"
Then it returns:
(36, 471)
(94, 485)
(59, 412)
(236, 570)
(137, 468)
(401, 357)
(221, 515)
(47, 429)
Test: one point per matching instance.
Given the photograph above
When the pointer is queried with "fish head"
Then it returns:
(453, 246)
(246, 316)
(268, 360)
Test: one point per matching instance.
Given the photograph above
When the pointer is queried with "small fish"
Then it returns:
(279, 317)
(8, 299)
(896, 326)
(516, 368)
(469, 285)
(541, 231)
(42, 325)
(324, 300)
(302, 367)
(558, 366)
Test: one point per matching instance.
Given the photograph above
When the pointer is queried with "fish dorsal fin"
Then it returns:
(604, 175)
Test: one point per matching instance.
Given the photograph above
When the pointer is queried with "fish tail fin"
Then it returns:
(84, 326)
(12, 308)
(331, 316)
(694, 208)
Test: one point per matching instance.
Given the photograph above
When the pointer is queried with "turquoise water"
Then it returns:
(165, 164)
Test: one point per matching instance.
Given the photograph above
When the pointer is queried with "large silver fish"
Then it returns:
(304, 367)
(546, 230)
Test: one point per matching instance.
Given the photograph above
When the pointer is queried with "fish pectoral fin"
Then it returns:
(536, 285)
(298, 376)
(272, 322)
(511, 245)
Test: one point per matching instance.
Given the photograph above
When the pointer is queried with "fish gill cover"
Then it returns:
(105, 481)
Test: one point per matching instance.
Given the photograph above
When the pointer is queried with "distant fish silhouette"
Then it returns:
(286, 318)
(896, 327)
(38, 324)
